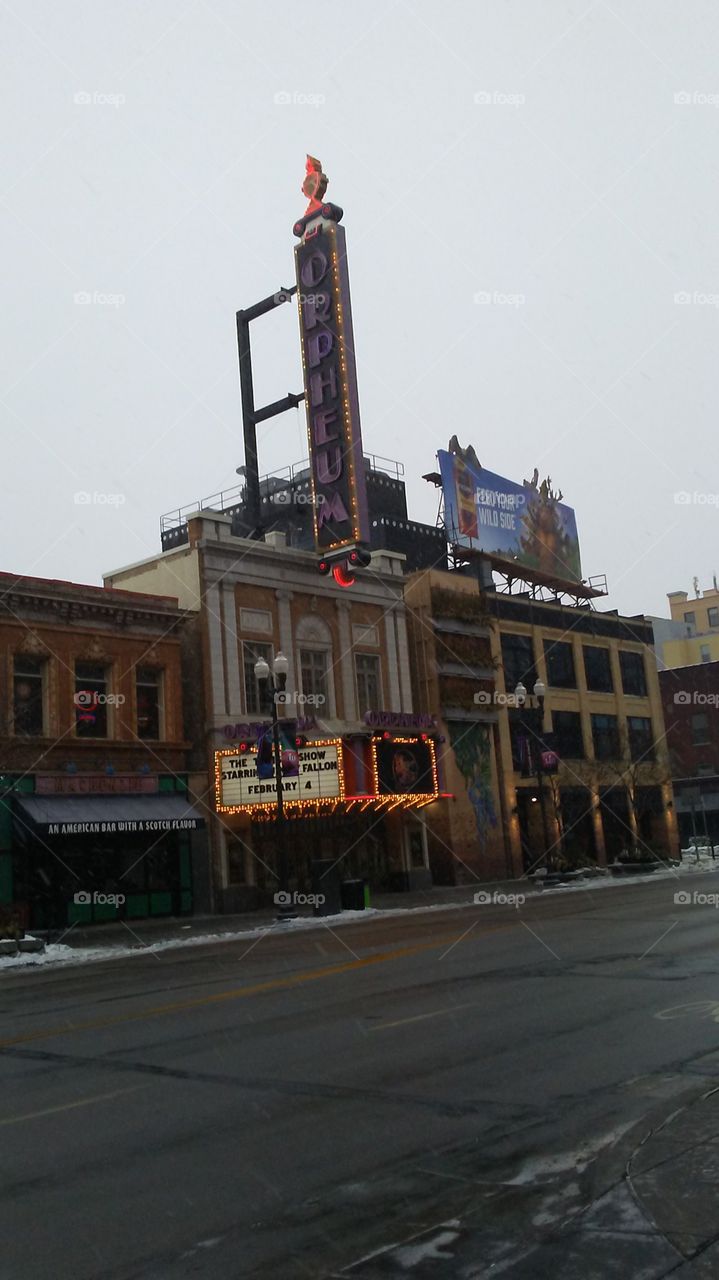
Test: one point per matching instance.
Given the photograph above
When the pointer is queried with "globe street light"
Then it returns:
(276, 681)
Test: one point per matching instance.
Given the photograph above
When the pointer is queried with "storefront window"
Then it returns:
(90, 700)
(28, 701)
(369, 697)
(251, 651)
(148, 691)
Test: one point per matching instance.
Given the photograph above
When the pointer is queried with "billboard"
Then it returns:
(525, 523)
(339, 506)
(238, 786)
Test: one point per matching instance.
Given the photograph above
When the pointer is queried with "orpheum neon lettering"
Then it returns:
(330, 390)
(325, 405)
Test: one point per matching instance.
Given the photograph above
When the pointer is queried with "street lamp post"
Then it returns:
(537, 729)
(276, 681)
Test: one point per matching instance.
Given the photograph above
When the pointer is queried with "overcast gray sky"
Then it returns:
(530, 195)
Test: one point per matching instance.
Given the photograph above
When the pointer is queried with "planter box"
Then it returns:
(31, 944)
(8, 947)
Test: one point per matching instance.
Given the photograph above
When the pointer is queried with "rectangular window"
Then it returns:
(598, 669)
(369, 697)
(518, 662)
(28, 700)
(251, 651)
(90, 700)
(313, 674)
(700, 729)
(148, 692)
(567, 730)
(641, 738)
(560, 664)
(713, 616)
(690, 619)
(705, 653)
(605, 737)
(634, 678)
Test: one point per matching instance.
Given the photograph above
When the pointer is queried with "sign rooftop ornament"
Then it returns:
(314, 186)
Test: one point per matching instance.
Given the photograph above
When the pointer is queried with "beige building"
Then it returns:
(602, 716)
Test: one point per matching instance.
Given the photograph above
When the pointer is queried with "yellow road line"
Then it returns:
(71, 1106)
(240, 993)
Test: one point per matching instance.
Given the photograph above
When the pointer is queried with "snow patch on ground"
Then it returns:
(58, 953)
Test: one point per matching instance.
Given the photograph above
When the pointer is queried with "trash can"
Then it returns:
(326, 885)
(353, 895)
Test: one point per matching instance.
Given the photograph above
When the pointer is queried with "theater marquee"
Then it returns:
(321, 779)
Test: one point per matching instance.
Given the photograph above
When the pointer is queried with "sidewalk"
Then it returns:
(674, 1176)
(130, 938)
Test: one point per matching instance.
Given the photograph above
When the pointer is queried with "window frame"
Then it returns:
(597, 730)
(700, 742)
(248, 672)
(42, 673)
(646, 751)
(315, 650)
(378, 704)
(552, 650)
(598, 687)
(557, 734)
(160, 685)
(87, 682)
(639, 662)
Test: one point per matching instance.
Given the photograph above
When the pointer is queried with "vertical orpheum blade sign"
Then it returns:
(339, 494)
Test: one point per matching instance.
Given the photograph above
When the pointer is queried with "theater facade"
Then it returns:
(370, 767)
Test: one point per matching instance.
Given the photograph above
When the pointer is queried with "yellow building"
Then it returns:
(695, 634)
(601, 714)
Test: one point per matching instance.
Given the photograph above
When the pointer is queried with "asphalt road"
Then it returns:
(290, 1106)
